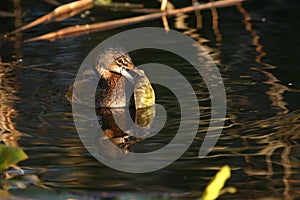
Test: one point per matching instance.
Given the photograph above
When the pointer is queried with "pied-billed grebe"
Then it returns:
(121, 83)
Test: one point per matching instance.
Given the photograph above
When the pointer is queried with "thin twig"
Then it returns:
(6, 14)
(59, 13)
(163, 5)
(164, 19)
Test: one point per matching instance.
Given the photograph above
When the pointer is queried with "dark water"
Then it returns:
(257, 59)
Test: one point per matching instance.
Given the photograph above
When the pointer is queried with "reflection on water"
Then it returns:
(119, 128)
(260, 140)
(8, 89)
(266, 147)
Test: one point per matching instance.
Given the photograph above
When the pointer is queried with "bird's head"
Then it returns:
(114, 61)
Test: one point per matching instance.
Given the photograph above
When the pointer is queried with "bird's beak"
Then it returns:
(128, 76)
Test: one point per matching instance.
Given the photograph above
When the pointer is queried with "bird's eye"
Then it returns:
(122, 62)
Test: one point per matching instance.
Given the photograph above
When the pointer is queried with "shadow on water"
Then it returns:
(260, 140)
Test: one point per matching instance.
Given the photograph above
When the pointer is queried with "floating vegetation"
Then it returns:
(215, 188)
(10, 156)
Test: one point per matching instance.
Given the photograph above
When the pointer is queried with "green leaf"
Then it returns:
(214, 188)
(10, 156)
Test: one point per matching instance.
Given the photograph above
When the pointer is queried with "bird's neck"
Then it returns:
(114, 91)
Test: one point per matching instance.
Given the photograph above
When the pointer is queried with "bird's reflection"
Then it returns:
(125, 127)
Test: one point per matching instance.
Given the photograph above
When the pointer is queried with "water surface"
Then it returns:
(257, 59)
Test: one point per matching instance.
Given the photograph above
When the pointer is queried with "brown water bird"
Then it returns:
(121, 83)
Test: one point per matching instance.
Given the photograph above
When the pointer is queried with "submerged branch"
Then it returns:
(102, 26)
(70, 9)
(60, 13)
